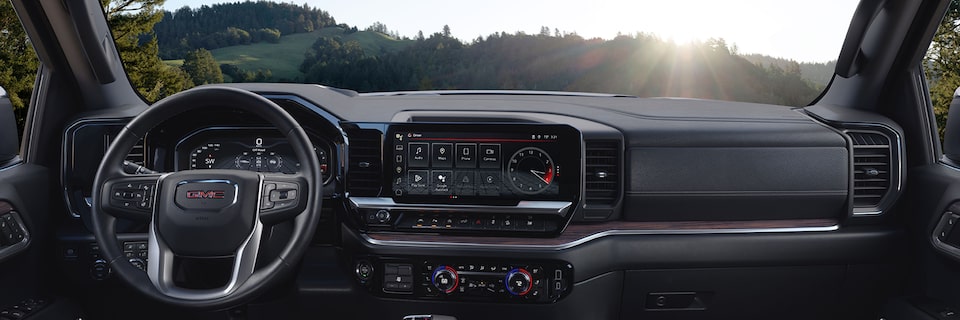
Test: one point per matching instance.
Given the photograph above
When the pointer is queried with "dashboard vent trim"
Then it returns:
(603, 172)
(364, 170)
(137, 154)
(873, 169)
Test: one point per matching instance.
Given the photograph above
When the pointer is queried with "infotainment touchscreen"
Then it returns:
(504, 162)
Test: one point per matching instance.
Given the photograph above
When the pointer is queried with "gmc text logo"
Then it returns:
(205, 194)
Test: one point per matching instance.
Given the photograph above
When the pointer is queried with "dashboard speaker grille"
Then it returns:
(871, 168)
(602, 174)
(364, 175)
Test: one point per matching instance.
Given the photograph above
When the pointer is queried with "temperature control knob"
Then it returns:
(519, 282)
(445, 279)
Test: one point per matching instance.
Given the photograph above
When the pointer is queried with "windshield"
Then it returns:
(750, 50)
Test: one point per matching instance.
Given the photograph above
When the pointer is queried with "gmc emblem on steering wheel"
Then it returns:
(208, 194)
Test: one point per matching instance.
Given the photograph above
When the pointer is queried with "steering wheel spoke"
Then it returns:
(162, 271)
(283, 197)
(130, 196)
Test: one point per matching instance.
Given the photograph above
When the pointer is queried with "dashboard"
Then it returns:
(533, 198)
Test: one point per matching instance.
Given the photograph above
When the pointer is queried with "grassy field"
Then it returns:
(284, 58)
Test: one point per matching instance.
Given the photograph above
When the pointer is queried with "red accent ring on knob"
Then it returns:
(529, 284)
(456, 278)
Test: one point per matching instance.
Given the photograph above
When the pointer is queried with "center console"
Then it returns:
(491, 179)
(480, 179)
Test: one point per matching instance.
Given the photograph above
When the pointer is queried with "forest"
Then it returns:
(230, 24)
(148, 38)
(641, 65)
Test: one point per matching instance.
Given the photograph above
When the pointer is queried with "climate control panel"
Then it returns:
(466, 279)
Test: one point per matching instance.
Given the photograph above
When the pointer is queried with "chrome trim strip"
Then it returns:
(160, 265)
(897, 151)
(69, 135)
(524, 207)
(595, 236)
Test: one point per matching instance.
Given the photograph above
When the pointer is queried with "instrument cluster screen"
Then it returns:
(260, 150)
(453, 163)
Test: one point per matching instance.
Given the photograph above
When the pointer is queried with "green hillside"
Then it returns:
(284, 58)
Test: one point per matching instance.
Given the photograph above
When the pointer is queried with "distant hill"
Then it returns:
(229, 24)
(283, 58)
(817, 73)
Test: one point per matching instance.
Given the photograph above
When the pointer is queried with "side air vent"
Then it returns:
(602, 175)
(364, 175)
(872, 168)
(137, 154)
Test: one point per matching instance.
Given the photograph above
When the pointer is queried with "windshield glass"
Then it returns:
(780, 52)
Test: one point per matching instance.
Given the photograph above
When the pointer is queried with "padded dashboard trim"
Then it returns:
(576, 234)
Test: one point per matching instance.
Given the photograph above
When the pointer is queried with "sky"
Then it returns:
(806, 31)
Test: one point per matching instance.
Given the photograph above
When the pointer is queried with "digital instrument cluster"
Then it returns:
(260, 150)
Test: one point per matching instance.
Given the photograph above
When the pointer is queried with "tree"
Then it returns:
(132, 24)
(942, 64)
(202, 67)
(18, 69)
(446, 31)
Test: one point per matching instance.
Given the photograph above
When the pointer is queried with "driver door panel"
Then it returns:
(24, 211)
(933, 287)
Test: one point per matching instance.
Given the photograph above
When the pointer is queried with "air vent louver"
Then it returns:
(871, 168)
(602, 174)
(364, 175)
(137, 154)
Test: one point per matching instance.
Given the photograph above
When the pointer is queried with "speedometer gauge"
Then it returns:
(531, 170)
(206, 157)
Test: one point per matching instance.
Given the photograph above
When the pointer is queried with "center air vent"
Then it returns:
(602, 174)
(871, 168)
(364, 175)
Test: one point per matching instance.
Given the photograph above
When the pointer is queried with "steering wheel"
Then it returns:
(206, 214)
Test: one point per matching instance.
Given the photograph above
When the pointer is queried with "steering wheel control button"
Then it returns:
(132, 196)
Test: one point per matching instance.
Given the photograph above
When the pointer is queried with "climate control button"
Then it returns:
(519, 282)
(445, 279)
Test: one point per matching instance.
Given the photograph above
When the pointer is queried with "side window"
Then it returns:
(18, 65)
(941, 65)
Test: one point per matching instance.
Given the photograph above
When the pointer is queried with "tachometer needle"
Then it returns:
(540, 174)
